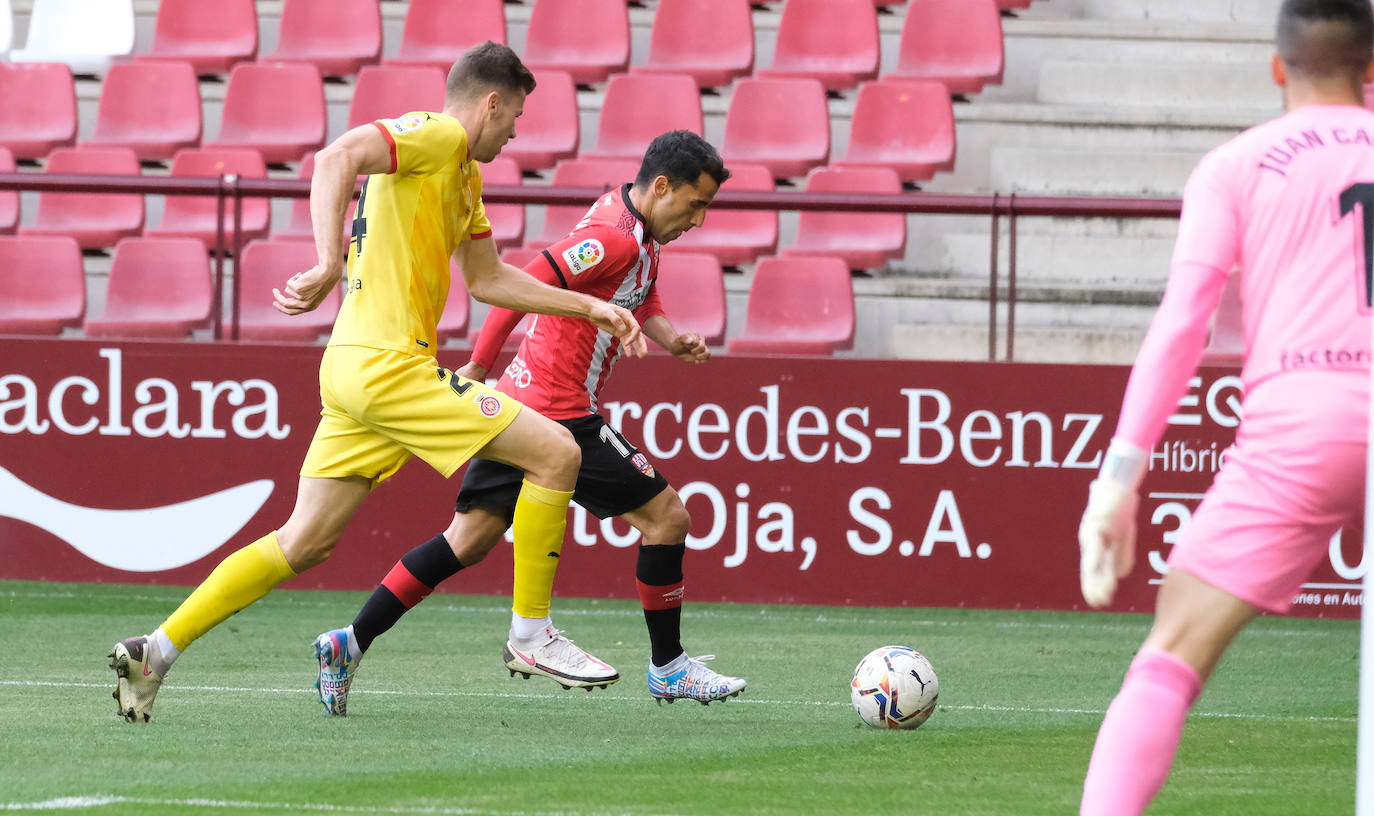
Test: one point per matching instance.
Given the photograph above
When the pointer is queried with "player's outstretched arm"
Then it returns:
(689, 347)
(361, 151)
(500, 284)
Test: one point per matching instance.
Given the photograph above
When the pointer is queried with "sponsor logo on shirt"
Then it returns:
(407, 123)
(489, 406)
(583, 256)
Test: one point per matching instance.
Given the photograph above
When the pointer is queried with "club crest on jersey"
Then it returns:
(489, 406)
(639, 461)
(407, 123)
(584, 256)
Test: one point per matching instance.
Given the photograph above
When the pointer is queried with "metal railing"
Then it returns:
(233, 188)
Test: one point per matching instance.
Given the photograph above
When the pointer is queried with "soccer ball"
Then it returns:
(894, 687)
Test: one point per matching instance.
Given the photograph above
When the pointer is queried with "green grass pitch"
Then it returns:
(437, 726)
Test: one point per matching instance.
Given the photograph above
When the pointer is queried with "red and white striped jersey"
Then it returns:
(564, 361)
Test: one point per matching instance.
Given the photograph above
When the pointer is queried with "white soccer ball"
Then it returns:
(894, 687)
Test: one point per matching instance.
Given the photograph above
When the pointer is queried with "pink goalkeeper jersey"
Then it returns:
(1291, 204)
(564, 361)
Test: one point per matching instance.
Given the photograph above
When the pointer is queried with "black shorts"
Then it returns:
(615, 477)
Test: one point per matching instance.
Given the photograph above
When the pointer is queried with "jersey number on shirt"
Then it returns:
(1362, 193)
(359, 222)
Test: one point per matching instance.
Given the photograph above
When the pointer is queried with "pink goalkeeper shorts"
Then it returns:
(1294, 477)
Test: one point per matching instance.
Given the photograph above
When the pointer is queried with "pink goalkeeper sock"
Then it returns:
(1139, 735)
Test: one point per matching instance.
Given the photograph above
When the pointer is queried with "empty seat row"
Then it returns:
(154, 108)
(162, 288)
(833, 41)
(100, 220)
(279, 110)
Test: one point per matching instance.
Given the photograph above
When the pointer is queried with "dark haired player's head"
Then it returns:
(1325, 44)
(677, 180)
(486, 91)
(680, 156)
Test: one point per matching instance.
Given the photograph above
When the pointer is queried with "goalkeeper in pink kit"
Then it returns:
(1288, 206)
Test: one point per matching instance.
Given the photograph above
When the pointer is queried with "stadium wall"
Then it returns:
(810, 481)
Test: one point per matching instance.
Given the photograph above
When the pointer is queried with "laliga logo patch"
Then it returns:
(489, 406)
(584, 256)
(405, 124)
(639, 461)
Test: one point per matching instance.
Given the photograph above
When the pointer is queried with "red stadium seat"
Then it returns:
(211, 42)
(833, 41)
(338, 36)
(277, 109)
(798, 307)
(385, 92)
(908, 126)
(781, 123)
(589, 39)
(714, 54)
(1226, 337)
(507, 220)
(957, 42)
(453, 323)
(437, 32)
(151, 107)
(521, 256)
(549, 130)
(299, 226)
(37, 108)
(95, 220)
(269, 264)
(638, 108)
(736, 237)
(691, 287)
(600, 174)
(861, 240)
(159, 287)
(195, 216)
(9, 200)
(44, 284)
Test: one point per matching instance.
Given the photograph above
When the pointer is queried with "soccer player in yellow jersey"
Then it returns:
(385, 398)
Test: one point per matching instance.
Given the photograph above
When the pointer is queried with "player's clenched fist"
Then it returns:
(690, 348)
(305, 290)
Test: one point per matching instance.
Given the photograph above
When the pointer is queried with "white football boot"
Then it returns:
(551, 655)
(336, 671)
(694, 682)
(137, 683)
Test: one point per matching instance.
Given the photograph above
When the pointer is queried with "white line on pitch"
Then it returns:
(607, 697)
(896, 616)
(89, 802)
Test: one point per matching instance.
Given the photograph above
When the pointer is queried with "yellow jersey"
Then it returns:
(407, 224)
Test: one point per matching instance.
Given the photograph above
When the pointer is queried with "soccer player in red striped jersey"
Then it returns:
(559, 370)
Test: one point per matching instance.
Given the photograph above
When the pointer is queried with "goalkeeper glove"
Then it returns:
(1106, 535)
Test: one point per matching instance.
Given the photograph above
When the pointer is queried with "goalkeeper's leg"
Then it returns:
(1135, 748)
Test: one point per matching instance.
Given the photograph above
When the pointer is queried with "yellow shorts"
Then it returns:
(383, 407)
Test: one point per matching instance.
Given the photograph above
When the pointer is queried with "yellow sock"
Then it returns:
(541, 516)
(238, 581)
